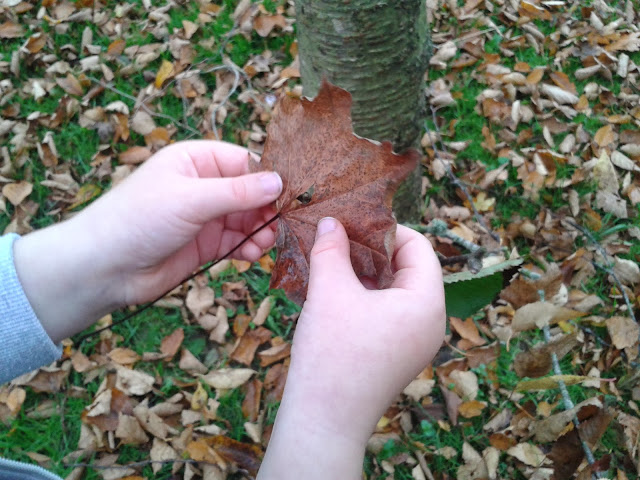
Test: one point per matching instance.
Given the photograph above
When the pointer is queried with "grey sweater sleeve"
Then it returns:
(24, 344)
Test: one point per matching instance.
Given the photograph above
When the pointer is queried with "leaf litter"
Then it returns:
(552, 89)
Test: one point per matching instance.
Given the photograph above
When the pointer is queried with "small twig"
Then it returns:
(144, 106)
(142, 463)
(455, 180)
(606, 268)
(146, 306)
(566, 398)
(439, 228)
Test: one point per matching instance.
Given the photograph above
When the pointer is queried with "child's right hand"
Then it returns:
(354, 350)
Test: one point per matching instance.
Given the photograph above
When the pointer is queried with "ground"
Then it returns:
(531, 155)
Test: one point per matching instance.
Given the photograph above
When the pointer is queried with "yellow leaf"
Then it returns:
(165, 72)
(547, 383)
(199, 398)
(86, 193)
(241, 265)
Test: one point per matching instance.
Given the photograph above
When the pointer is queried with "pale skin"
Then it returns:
(354, 348)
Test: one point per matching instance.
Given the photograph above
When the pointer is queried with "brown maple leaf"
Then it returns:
(327, 171)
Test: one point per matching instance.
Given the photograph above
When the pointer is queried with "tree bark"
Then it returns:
(378, 51)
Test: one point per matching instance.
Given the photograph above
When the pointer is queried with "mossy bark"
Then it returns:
(378, 51)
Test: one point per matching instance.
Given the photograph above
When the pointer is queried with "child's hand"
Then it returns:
(354, 350)
(188, 204)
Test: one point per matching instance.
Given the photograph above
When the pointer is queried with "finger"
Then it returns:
(416, 263)
(330, 258)
(214, 197)
(215, 159)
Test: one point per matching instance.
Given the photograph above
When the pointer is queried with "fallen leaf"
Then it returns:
(123, 356)
(274, 354)
(467, 330)
(133, 382)
(330, 172)
(241, 265)
(623, 331)
(244, 455)
(251, 402)
(528, 454)
(134, 155)
(165, 72)
(604, 136)
(264, 24)
(539, 314)
(537, 361)
(558, 94)
(263, 311)
(36, 42)
(266, 263)
(17, 192)
(171, 344)
(11, 30)
(190, 363)
(471, 408)
(116, 47)
(200, 300)
(200, 398)
(226, 378)
(161, 452)
(130, 431)
(548, 383)
(246, 347)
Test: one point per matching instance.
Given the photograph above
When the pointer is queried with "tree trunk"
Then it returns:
(378, 51)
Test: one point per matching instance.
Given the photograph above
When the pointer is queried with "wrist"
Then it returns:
(301, 446)
(66, 280)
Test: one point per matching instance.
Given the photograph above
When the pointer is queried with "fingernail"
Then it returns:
(271, 183)
(326, 225)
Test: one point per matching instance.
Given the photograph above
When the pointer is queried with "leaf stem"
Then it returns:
(203, 269)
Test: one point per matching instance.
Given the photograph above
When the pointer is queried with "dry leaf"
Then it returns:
(604, 136)
(134, 155)
(330, 172)
(471, 408)
(130, 431)
(116, 47)
(539, 314)
(161, 452)
(200, 300)
(226, 378)
(165, 72)
(528, 454)
(190, 363)
(559, 95)
(274, 354)
(537, 361)
(246, 348)
(171, 343)
(17, 192)
(133, 382)
(263, 311)
(548, 383)
(11, 30)
(123, 356)
(623, 331)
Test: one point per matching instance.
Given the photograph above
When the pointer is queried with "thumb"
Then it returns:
(222, 196)
(330, 263)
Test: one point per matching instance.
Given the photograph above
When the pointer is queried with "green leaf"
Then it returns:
(466, 292)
